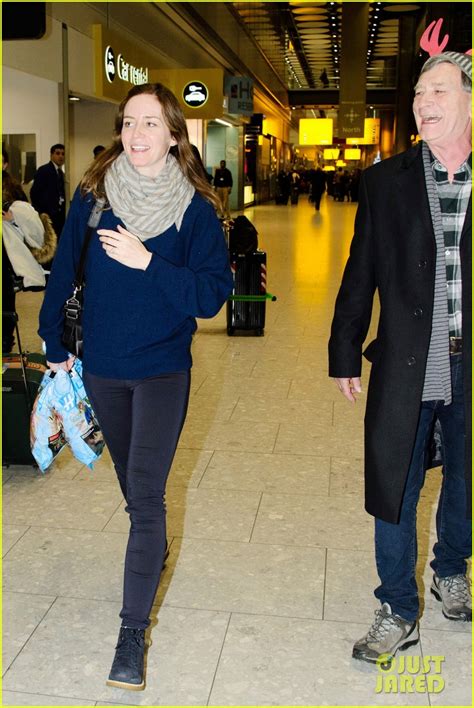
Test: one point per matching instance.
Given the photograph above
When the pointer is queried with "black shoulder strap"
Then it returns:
(92, 224)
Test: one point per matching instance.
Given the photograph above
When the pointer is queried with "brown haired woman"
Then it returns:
(158, 261)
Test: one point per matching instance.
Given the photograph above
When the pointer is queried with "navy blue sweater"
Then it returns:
(138, 323)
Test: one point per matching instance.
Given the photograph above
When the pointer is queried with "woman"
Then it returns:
(158, 261)
(22, 230)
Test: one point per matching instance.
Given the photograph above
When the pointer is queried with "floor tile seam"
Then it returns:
(324, 582)
(46, 612)
(51, 695)
(74, 528)
(302, 453)
(235, 612)
(80, 470)
(198, 486)
(423, 654)
(113, 514)
(195, 391)
(446, 630)
(211, 687)
(272, 492)
(280, 454)
(276, 545)
(28, 592)
(62, 596)
(276, 437)
(28, 527)
(255, 519)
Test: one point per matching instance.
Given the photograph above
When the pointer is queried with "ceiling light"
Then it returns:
(74, 98)
(223, 122)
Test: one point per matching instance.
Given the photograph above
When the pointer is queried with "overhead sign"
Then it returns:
(239, 91)
(315, 131)
(200, 92)
(352, 84)
(119, 64)
(195, 94)
(371, 133)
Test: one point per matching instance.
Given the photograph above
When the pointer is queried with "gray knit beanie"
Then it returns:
(464, 61)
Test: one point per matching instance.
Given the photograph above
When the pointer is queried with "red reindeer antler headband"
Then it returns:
(430, 42)
(430, 39)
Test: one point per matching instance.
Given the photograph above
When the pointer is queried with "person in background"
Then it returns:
(97, 150)
(354, 185)
(22, 229)
(156, 261)
(324, 78)
(318, 186)
(223, 184)
(47, 192)
(412, 243)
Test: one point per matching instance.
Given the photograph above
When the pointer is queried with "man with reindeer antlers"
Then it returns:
(412, 243)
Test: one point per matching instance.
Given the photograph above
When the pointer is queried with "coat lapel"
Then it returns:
(410, 197)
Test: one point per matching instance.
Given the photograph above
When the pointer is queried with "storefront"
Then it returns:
(65, 87)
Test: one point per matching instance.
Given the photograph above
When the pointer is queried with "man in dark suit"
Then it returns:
(47, 193)
(412, 242)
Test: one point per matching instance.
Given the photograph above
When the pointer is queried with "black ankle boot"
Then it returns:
(128, 666)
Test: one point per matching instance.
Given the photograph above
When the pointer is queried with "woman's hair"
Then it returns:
(11, 189)
(93, 180)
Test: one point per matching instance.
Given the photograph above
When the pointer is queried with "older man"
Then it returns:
(412, 243)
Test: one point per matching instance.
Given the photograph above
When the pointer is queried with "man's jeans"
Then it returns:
(396, 544)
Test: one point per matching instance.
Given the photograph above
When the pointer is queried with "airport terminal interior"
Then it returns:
(271, 571)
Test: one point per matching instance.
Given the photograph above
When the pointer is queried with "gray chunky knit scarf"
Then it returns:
(148, 205)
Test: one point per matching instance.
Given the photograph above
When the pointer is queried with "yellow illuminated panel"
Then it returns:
(331, 153)
(316, 131)
(352, 154)
(371, 133)
(340, 163)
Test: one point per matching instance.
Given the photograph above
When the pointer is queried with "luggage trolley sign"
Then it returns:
(195, 94)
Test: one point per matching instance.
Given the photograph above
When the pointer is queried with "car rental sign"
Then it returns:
(118, 64)
(200, 92)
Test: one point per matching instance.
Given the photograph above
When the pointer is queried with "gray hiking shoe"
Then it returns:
(455, 594)
(388, 634)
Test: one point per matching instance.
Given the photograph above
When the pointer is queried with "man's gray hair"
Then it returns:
(462, 61)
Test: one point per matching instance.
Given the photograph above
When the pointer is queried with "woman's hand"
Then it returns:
(124, 247)
(66, 365)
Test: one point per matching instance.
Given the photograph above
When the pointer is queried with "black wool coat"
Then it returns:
(394, 251)
(45, 195)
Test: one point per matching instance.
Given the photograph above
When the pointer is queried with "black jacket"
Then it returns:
(394, 251)
(223, 178)
(45, 195)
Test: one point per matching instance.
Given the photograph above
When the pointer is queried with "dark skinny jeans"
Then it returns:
(141, 421)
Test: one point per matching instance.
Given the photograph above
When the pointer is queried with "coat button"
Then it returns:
(418, 311)
(411, 361)
(422, 263)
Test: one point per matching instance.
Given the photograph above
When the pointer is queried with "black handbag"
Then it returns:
(72, 331)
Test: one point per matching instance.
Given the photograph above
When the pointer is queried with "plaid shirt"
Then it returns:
(454, 199)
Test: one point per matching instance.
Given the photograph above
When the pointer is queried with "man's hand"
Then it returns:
(348, 387)
(125, 247)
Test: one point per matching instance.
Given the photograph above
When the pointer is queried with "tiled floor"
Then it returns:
(271, 571)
